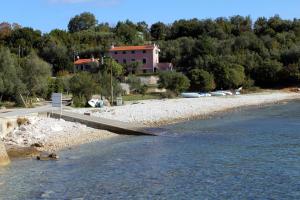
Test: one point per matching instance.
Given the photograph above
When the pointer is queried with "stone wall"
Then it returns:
(149, 80)
(4, 159)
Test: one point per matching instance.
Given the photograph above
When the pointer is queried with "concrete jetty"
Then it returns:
(114, 126)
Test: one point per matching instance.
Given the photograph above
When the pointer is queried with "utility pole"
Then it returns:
(74, 59)
(111, 83)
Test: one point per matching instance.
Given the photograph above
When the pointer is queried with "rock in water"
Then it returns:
(38, 144)
(4, 159)
(45, 156)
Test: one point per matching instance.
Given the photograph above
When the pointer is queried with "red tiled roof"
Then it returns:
(84, 61)
(131, 48)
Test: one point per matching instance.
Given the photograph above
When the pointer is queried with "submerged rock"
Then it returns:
(4, 159)
(37, 145)
(22, 152)
(45, 156)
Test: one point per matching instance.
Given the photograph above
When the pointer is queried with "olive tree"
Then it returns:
(173, 81)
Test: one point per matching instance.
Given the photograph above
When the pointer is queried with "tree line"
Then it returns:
(219, 53)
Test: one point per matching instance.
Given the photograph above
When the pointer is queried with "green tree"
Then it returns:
(35, 74)
(82, 22)
(173, 81)
(202, 80)
(103, 79)
(111, 64)
(83, 85)
(134, 83)
(23, 40)
(290, 75)
(56, 54)
(228, 75)
(159, 31)
(267, 74)
(9, 80)
(128, 33)
(133, 67)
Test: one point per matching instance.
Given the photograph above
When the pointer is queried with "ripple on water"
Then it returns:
(250, 154)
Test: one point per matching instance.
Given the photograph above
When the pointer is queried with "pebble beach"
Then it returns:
(53, 134)
(157, 112)
(56, 134)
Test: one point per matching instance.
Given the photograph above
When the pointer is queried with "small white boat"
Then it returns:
(227, 92)
(205, 94)
(218, 93)
(190, 95)
(238, 91)
(95, 103)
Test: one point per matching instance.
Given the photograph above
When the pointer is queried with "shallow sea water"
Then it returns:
(245, 154)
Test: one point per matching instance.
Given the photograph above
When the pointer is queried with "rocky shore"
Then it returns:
(42, 134)
(4, 159)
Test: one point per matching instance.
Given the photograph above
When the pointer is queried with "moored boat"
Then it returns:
(218, 93)
(190, 95)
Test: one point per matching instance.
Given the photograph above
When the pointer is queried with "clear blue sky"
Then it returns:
(46, 15)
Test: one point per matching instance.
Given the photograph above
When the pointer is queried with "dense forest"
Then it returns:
(220, 53)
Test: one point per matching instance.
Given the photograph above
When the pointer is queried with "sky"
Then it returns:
(46, 15)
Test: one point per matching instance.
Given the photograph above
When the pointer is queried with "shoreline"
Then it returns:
(56, 135)
(154, 113)
(50, 135)
(216, 113)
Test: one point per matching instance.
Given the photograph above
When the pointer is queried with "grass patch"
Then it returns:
(148, 74)
(8, 104)
(252, 90)
(137, 97)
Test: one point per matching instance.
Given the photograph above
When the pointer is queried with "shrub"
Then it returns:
(22, 121)
(134, 83)
(79, 101)
(202, 80)
(143, 90)
(268, 73)
(168, 95)
(173, 81)
(83, 85)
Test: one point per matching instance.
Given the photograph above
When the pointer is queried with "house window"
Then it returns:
(132, 60)
(144, 71)
(144, 61)
(124, 52)
(116, 52)
(144, 51)
(124, 61)
(117, 60)
(133, 52)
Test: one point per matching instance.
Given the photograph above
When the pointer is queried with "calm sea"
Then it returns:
(246, 154)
